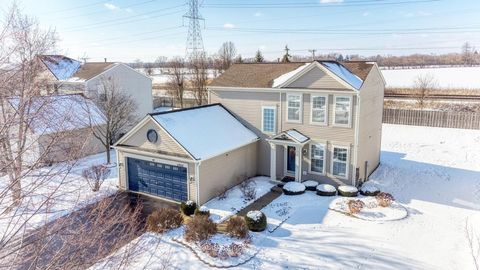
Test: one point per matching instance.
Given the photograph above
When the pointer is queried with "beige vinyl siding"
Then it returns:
(317, 79)
(226, 170)
(370, 124)
(165, 143)
(122, 156)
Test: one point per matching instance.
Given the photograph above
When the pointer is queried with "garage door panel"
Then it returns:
(158, 179)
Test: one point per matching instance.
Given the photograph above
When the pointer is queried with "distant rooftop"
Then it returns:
(68, 69)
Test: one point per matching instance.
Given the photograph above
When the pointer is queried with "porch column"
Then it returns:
(273, 162)
(298, 163)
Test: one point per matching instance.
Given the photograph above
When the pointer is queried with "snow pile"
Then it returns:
(203, 209)
(255, 215)
(310, 184)
(348, 189)
(189, 203)
(372, 211)
(369, 189)
(294, 187)
(222, 209)
(326, 188)
(285, 77)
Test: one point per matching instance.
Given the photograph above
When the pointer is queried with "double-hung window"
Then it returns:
(340, 161)
(317, 158)
(343, 111)
(319, 109)
(294, 107)
(269, 116)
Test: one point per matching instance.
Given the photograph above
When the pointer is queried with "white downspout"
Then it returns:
(197, 179)
(355, 146)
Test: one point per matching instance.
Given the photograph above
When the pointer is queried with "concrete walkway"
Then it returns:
(263, 201)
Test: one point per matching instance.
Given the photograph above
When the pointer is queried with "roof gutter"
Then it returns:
(279, 90)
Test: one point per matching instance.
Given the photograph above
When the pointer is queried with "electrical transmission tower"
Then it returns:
(194, 39)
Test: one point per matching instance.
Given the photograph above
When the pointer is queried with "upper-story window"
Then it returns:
(294, 107)
(343, 111)
(319, 109)
(269, 119)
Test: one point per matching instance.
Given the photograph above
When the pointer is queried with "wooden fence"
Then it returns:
(432, 118)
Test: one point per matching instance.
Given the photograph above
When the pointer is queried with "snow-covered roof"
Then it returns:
(59, 113)
(343, 73)
(60, 66)
(205, 131)
(285, 77)
(293, 135)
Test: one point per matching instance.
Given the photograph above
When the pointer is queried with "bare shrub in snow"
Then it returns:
(202, 211)
(211, 249)
(237, 227)
(355, 206)
(473, 244)
(384, 199)
(235, 250)
(95, 176)
(423, 85)
(164, 219)
(248, 189)
(200, 228)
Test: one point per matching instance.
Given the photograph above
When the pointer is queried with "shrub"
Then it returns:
(164, 219)
(355, 206)
(385, 199)
(348, 191)
(95, 176)
(202, 211)
(237, 227)
(326, 190)
(248, 189)
(310, 185)
(200, 228)
(294, 188)
(188, 208)
(211, 249)
(234, 250)
(369, 189)
(256, 221)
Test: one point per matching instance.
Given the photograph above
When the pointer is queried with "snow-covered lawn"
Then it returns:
(68, 191)
(433, 172)
(222, 209)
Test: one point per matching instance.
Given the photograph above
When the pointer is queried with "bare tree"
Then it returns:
(199, 69)
(118, 108)
(468, 55)
(423, 85)
(176, 80)
(473, 244)
(226, 54)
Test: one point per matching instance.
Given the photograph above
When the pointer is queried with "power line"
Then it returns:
(311, 5)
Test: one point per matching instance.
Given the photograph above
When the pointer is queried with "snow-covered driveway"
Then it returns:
(434, 172)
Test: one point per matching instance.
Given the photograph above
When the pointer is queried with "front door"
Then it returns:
(291, 160)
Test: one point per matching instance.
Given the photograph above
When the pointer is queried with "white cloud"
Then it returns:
(228, 26)
(365, 14)
(258, 14)
(330, 1)
(110, 6)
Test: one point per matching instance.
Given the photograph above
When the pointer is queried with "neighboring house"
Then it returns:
(60, 128)
(186, 154)
(304, 121)
(71, 76)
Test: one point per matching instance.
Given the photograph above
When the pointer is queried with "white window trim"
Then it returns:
(274, 119)
(325, 122)
(300, 113)
(324, 158)
(348, 161)
(349, 125)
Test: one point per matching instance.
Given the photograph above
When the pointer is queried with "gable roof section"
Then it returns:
(91, 69)
(60, 66)
(254, 75)
(60, 113)
(268, 75)
(205, 131)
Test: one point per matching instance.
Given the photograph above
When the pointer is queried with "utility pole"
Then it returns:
(194, 45)
(313, 54)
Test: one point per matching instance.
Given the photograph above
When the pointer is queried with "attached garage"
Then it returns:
(158, 179)
(188, 154)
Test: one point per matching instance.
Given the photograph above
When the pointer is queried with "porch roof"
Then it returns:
(292, 135)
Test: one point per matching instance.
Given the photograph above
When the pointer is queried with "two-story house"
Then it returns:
(304, 121)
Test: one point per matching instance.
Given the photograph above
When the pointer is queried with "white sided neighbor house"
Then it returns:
(319, 121)
(68, 76)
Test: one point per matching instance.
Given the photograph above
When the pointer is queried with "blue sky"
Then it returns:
(124, 30)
